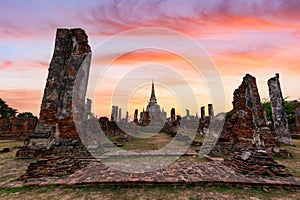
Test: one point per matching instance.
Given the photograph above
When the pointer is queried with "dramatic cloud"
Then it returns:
(260, 37)
(196, 18)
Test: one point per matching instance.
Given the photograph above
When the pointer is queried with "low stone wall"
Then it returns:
(16, 129)
(53, 167)
(65, 148)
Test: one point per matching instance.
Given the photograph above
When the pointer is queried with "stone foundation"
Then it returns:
(54, 167)
(254, 162)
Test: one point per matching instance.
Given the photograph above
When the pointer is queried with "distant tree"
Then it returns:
(5, 110)
(26, 115)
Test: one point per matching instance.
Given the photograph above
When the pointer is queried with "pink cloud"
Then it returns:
(23, 100)
(5, 65)
(196, 18)
(22, 65)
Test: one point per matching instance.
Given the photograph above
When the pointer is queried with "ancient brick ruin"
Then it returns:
(172, 124)
(69, 68)
(16, 129)
(245, 125)
(252, 141)
(278, 111)
(246, 138)
(204, 121)
(254, 162)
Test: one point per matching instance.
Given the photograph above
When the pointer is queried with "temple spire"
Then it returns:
(153, 97)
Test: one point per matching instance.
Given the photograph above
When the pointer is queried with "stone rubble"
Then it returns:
(254, 162)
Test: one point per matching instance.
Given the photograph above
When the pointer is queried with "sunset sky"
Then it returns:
(259, 37)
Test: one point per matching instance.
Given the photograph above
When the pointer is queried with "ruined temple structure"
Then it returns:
(204, 121)
(245, 125)
(15, 128)
(88, 108)
(211, 111)
(68, 70)
(153, 114)
(172, 123)
(278, 111)
(251, 141)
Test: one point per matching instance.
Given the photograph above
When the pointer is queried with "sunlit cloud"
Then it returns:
(23, 100)
(22, 65)
(259, 37)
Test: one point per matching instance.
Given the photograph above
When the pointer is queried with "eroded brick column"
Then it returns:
(202, 113)
(211, 111)
(70, 53)
(278, 111)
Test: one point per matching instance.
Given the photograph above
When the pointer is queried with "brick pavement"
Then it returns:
(205, 173)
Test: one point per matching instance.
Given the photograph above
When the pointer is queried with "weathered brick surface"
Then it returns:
(246, 125)
(71, 49)
(208, 173)
(278, 111)
(15, 128)
(255, 162)
(53, 167)
(66, 86)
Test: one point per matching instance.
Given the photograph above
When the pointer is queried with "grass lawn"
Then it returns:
(155, 142)
(147, 192)
(11, 168)
(292, 165)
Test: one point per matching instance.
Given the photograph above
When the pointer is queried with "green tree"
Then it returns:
(5, 110)
(26, 115)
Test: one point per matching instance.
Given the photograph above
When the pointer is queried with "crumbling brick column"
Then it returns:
(71, 49)
(211, 113)
(65, 87)
(173, 115)
(278, 111)
(202, 113)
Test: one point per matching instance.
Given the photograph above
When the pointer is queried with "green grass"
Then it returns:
(155, 142)
(292, 165)
(144, 192)
(11, 168)
(10, 145)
